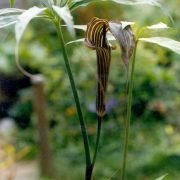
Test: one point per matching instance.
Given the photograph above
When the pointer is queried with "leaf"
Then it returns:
(21, 24)
(136, 2)
(7, 20)
(51, 2)
(165, 42)
(125, 38)
(11, 2)
(78, 3)
(126, 23)
(76, 41)
(162, 177)
(9, 16)
(24, 19)
(63, 2)
(147, 2)
(81, 27)
(110, 37)
(65, 15)
(158, 26)
(7, 11)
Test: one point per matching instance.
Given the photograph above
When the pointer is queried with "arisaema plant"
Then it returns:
(98, 36)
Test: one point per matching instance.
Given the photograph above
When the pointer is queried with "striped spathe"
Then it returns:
(96, 39)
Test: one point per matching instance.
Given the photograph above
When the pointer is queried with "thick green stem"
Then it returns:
(76, 98)
(128, 118)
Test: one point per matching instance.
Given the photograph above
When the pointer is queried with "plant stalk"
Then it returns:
(90, 170)
(97, 140)
(128, 118)
(76, 97)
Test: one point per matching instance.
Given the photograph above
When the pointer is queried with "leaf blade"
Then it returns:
(20, 27)
(7, 21)
(9, 16)
(164, 42)
(65, 14)
(162, 177)
(155, 3)
(76, 41)
(138, 2)
(24, 19)
(79, 3)
(7, 11)
(159, 25)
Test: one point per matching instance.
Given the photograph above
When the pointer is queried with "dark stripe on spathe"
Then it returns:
(96, 39)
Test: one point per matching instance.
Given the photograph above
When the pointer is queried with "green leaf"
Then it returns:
(126, 23)
(162, 177)
(11, 2)
(164, 42)
(63, 2)
(20, 27)
(76, 41)
(78, 3)
(24, 19)
(7, 20)
(9, 16)
(51, 2)
(160, 25)
(147, 2)
(81, 27)
(65, 15)
(7, 11)
(136, 2)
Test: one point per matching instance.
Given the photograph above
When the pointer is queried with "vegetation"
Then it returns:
(148, 88)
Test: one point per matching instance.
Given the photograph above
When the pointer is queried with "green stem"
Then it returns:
(97, 140)
(90, 170)
(127, 120)
(75, 94)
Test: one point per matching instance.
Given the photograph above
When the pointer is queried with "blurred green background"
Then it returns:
(154, 147)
